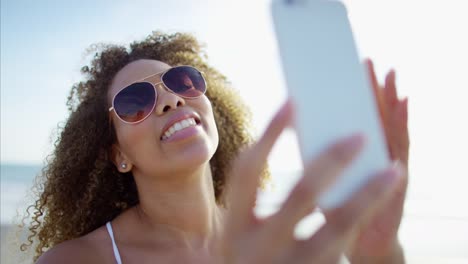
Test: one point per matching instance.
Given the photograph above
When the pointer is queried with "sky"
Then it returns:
(43, 47)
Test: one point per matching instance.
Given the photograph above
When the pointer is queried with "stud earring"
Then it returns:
(123, 166)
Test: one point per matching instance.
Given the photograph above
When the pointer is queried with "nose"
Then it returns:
(166, 100)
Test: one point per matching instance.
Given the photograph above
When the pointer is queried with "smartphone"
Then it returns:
(330, 88)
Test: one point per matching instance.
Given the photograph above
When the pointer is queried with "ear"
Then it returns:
(120, 160)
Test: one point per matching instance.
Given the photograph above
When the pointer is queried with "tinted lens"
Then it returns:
(185, 81)
(135, 102)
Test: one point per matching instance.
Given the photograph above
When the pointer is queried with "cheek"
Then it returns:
(213, 133)
(136, 141)
(211, 123)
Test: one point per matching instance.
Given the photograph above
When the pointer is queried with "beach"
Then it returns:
(10, 252)
(4, 230)
(16, 182)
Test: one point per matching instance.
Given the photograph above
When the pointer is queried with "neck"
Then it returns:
(180, 208)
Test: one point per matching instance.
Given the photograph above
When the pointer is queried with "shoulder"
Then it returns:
(72, 251)
(94, 247)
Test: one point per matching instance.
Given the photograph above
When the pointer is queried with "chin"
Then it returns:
(195, 155)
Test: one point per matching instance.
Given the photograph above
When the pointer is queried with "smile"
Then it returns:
(178, 126)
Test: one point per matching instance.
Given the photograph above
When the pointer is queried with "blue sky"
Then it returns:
(43, 44)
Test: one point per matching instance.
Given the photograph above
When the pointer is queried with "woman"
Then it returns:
(155, 165)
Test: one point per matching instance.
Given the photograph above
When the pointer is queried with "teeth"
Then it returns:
(179, 126)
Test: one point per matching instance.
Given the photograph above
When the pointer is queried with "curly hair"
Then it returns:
(80, 189)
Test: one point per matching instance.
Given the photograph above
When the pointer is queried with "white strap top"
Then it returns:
(343, 260)
(114, 245)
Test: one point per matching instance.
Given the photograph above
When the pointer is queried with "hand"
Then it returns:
(378, 237)
(247, 239)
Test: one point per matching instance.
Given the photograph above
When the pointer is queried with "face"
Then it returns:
(157, 147)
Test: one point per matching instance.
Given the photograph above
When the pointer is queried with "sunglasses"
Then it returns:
(136, 102)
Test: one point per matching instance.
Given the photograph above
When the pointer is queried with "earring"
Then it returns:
(123, 166)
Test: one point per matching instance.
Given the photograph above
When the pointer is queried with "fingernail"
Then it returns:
(394, 172)
(355, 142)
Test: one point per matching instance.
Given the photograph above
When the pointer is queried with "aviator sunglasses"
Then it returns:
(134, 103)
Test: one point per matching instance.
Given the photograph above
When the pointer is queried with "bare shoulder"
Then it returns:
(94, 247)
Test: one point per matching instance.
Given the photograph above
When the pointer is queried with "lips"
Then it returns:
(178, 122)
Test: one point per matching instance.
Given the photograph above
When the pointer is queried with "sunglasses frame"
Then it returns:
(156, 92)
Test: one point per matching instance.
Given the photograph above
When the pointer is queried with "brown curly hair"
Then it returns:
(80, 188)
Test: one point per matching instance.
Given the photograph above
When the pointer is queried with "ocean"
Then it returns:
(15, 186)
(17, 181)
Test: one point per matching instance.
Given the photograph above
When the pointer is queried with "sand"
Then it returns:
(10, 252)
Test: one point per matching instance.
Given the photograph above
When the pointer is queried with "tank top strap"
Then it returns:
(114, 245)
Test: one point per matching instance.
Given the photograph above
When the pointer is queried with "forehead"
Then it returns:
(136, 71)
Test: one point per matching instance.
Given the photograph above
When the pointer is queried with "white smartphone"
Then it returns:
(330, 87)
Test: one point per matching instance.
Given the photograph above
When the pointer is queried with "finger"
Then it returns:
(246, 169)
(397, 130)
(404, 151)
(385, 100)
(389, 215)
(398, 134)
(318, 175)
(365, 201)
(390, 91)
(403, 114)
(372, 75)
(333, 237)
(376, 89)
